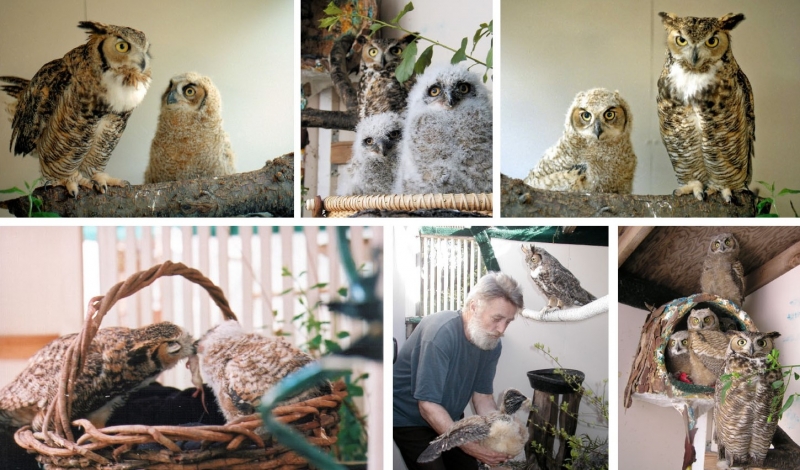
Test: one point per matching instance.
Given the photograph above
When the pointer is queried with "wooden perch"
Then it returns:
(517, 199)
(342, 120)
(270, 189)
(589, 310)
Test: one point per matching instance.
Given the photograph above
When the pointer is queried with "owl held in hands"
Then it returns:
(447, 139)
(555, 282)
(190, 141)
(705, 107)
(595, 153)
(373, 167)
(73, 111)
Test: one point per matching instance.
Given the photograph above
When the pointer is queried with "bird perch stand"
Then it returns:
(594, 308)
(556, 399)
(347, 206)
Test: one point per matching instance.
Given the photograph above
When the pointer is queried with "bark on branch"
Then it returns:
(342, 120)
(267, 190)
(517, 199)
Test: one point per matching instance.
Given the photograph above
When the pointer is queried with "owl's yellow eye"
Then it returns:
(122, 46)
(761, 343)
(609, 115)
(434, 90)
(586, 116)
(396, 50)
(707, 320)
(671, 343)
(394, 134)
(369, 141)
(537, 258)
(680, 40)
(373, 51)
(695, 321)
(684, 342)
(463, 88)
(728, 242)
(712, 41)
(741, 342)
(189, 91)
(716, 245)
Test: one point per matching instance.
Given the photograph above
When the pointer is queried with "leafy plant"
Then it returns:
(766, 205)
(34, 202)
(410, 63)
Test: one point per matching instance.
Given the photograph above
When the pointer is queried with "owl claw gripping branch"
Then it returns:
(73, 111)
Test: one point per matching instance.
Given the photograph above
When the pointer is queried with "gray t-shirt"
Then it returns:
(438, 364)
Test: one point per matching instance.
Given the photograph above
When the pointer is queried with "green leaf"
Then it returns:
(332, 9)
(771, 187)
(424, 60)
(796, 376)
(45, 214)
(342, 291)
(329, 22)
(284, 292)
(374, 28)
(788, 191)
(285, 272)
(461, 54)
(788, 404)
(490, 58)
(777, 384)
(318, 285)
(315, 342)
(332, 346)
(343, 334)
(12, 190)
(409, 7)
(406, 67)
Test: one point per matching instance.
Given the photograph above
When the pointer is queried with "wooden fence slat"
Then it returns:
(204, 265)
(107, 243)
(246, 316)
(187, 288)
(146, 253)
(223, 236)
(313, 267)
(128, 308)
(166, 283)
(265, 239)
(287, 262)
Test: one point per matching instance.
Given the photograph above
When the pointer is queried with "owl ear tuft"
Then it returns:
(669, 19)
(772, 334)
(93, 27)
(362, 39)
(409, 38)
(729, 21)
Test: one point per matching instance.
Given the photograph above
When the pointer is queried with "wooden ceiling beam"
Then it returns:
(630, 238)
(773, 269)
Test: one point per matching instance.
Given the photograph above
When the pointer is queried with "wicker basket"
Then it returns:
(232, 446)
(345, 206)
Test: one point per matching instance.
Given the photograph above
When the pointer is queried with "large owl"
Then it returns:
(71, 114)
(676, 355)
(241, 367)
(705, 107)
(190, 141)
(447, 139)
(373, 167)
(120, 361)
(708, 346)
(378, 90)
(595, 153)
(746, 418)
(559, 286)
(723, 273)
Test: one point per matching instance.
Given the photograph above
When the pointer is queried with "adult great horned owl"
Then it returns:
(120, 361)
(746, 418)
(373, 167)
(190, 141)
(447, 139)
(705, 107)
(595, 153)
(723, 273)
(378, 90)
(559, 286)
(241, 367)
(73, 111)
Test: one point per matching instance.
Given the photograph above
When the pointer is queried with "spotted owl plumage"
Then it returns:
(378, 89)
(373, 166)
(555, 282)
(723, 273)
(190, 141)
(708, 346)
(676, 354)
(499, 431)
(595, 153)
(73, 111)
(241, 367)
(705, 107)
(447, 139)
(743, 429)
(120, 361)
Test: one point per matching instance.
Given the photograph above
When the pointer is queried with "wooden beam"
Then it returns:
(23, 346)
(341, 152)
(629, 239)
(637, 292)
(772, 269)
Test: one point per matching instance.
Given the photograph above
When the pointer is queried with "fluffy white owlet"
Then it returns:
(73, 111)
(595, 153)
(378, 90)
(705, 107)
(373, 167)
(190, 141)
(241, 367)
(120, 361)
(447, 139)
(746, 418)
(723, 273)
(498, 431)
(676, 354)
(555, 282)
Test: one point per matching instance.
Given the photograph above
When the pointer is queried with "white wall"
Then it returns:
(552, 49)
(246, 47)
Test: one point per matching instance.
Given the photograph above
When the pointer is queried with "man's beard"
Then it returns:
(479, 337)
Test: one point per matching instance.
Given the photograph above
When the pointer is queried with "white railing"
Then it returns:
(449, 267)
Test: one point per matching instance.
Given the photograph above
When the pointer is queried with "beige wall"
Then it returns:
(552, 49)
(246, 47)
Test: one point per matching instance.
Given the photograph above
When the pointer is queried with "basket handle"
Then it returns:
(59, 409)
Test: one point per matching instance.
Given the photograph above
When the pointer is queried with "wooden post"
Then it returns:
(546, 420)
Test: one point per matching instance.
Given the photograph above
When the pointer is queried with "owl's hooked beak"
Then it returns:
(171, 97)
(597, 129)
(695, 56)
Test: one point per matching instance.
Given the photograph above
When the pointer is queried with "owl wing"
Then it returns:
(711, 349)
(738, 276)
(470, 429)
(37, 104)
(750, 116)
(246, 382)
(570, 287)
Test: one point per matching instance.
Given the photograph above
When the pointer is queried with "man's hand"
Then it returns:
(484, 454)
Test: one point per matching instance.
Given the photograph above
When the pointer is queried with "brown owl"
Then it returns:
(378, 90)
(555, 282)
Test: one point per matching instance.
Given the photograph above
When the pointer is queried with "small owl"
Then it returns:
(378, 90)
(241, 367)
(73, 111)
(498, 431)
(190, 141)
(746, 418)
(373, 168)
(702, 319)
(708, 347)
(723, 273)
(595, 153)
(677, 353)
(705, 107)
(559, 286)
(120, 361)
(447, 140)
